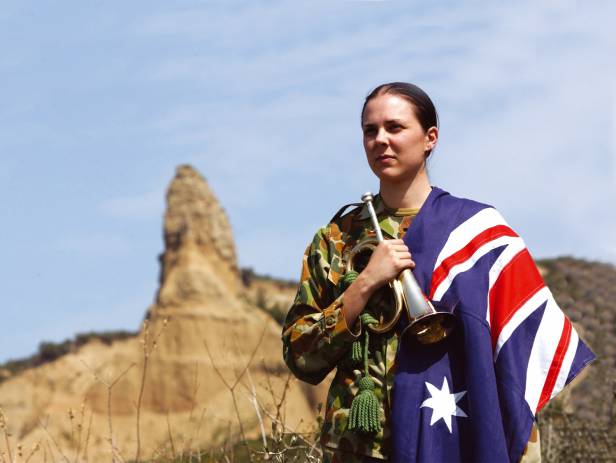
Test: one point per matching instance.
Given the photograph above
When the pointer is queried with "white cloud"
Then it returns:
(521, 91)
(265, 102)
(540, 147)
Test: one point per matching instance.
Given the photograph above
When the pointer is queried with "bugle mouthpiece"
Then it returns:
(367, 196)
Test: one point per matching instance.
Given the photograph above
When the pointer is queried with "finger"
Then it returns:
(405, 264)
(397, 250)
(403, 253)
(394, 242)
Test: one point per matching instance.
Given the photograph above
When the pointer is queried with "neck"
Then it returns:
(406, 194)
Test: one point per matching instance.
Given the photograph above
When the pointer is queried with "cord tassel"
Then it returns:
(364, 413)
(349, 277)
(355, 354)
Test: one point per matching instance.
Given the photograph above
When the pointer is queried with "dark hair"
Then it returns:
(422, 104)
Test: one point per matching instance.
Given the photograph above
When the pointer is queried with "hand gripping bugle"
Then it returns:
(426, 324)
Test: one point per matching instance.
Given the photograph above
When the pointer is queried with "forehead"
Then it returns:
(386, 107)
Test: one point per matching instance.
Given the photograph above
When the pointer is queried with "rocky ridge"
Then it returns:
(203, 299)
(199, 335)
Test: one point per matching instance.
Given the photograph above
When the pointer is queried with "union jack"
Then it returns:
(514, 348)
(516, 290)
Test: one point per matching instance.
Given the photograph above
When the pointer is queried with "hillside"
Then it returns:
(580, 425)
(586, 292)
(213, 333)
(205, 360)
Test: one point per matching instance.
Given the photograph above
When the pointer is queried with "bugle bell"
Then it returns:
(387, 302)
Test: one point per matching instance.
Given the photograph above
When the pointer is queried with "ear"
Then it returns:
(431, 138)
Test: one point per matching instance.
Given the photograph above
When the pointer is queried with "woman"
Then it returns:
(323, 329)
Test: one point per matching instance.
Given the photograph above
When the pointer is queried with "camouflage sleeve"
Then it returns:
(315, 334)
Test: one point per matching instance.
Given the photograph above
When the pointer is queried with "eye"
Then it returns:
(369, 131)
(394, 127)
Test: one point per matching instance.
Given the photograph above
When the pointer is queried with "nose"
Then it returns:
(381, 136)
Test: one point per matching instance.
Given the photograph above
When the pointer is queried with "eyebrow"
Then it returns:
(399, 121)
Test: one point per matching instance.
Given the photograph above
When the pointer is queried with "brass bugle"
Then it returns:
(426, 324)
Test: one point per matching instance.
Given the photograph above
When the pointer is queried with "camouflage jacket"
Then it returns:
(316, 338)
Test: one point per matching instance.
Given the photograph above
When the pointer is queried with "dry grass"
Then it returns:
(583, 290)
(276, 442)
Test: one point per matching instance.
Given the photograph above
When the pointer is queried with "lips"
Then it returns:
(384, 158)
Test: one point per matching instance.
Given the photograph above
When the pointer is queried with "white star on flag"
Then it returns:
(443, 403)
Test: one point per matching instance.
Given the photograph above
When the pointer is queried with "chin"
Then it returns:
(394, 177)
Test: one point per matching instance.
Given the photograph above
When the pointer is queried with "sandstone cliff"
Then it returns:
(201, 306)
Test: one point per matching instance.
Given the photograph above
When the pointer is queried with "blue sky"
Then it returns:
(101, 100)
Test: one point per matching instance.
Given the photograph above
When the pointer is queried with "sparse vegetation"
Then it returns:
(582, 426)
(276, 443)
(272, 295)
(577, 426)
(248, 276)
(50, 351)
(276, 310)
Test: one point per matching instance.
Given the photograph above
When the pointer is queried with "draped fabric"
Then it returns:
(474, 396)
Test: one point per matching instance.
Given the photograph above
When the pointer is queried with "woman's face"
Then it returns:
(394, 140)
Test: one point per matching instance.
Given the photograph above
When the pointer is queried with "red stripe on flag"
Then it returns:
(557, 361)
(466, 253)
(517, 283)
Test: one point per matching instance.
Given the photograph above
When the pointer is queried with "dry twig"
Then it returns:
(44, 426)
(170, 437)
(231, 387)
(188, 444)
(197, 434)
(147, 349)
(79, 429)
(85, 447)
(33, 451)
(5, 430)
(255, 404)
(53, 459)
(110, 385)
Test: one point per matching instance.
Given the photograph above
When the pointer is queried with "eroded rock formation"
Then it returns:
(200, 307)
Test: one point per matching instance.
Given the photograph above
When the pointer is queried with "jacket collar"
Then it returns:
(379, 205)
(379, 208)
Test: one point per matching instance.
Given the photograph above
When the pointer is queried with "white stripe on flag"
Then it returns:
(454, 271)
(519, 316)
(567, 362)
(542, 353)
(469, 229)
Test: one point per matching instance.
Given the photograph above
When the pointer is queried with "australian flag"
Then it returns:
(474, 396)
